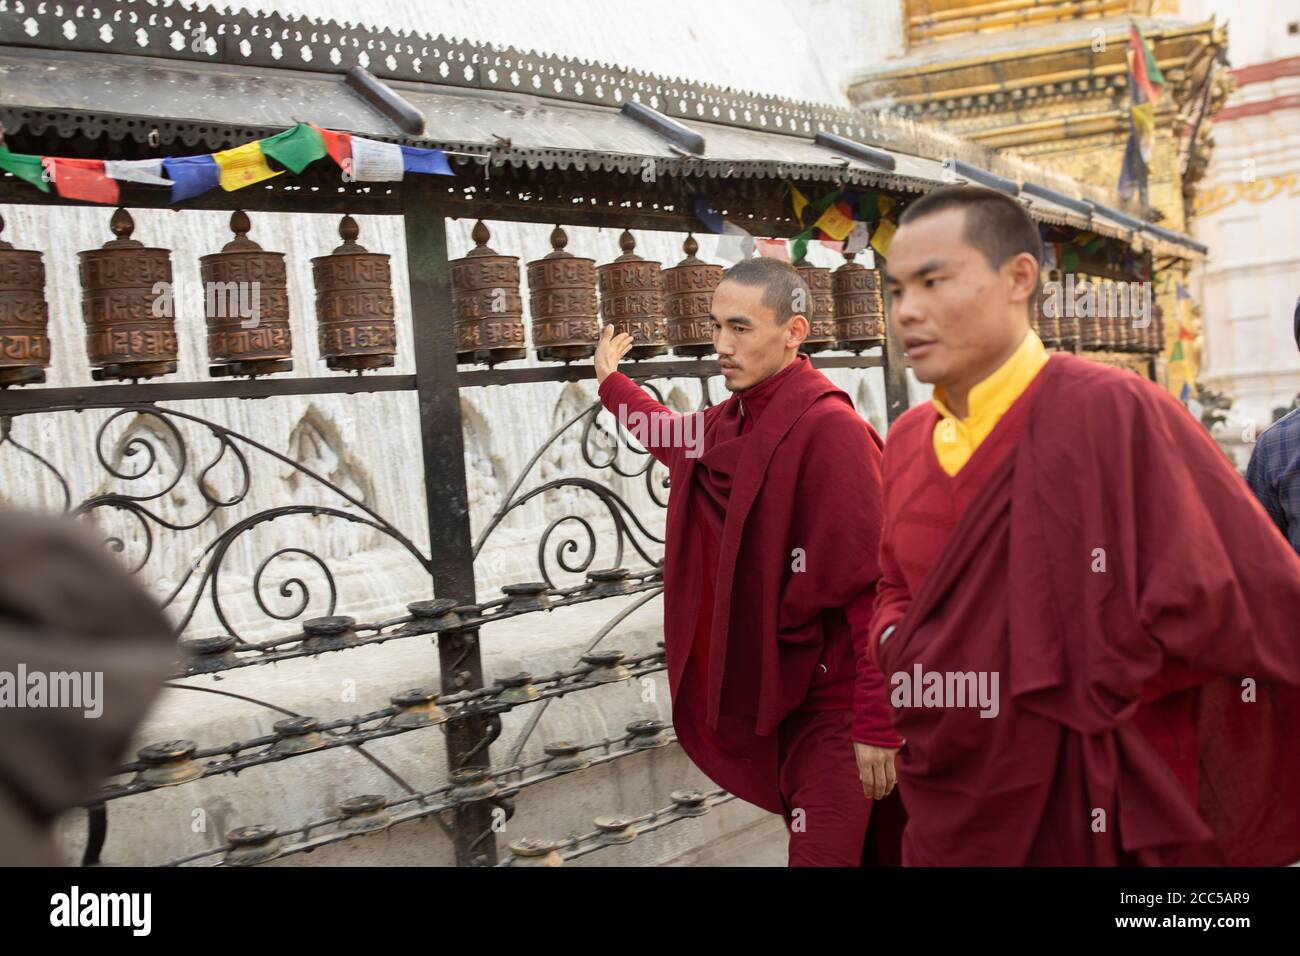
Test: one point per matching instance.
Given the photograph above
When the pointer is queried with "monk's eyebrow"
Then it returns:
(932, 265)
(737, 319)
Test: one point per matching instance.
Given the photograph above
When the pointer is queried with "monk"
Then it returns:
(1089, 627)
(770, 565)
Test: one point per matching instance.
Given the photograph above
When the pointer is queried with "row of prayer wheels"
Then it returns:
(1099, 315)
(661, 309)
(128, 305)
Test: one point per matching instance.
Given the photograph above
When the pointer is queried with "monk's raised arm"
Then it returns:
(661, 431)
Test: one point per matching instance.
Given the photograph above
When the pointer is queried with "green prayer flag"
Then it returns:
(24, 167)
(1070, 255)
(799, 244)
(868, 208)
(296, 148)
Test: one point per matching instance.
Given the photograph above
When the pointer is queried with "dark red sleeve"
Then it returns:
(872, 721)
(892, 594)
(638, 412)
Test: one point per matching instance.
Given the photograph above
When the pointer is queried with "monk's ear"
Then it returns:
(1022, 270)
(796, 330)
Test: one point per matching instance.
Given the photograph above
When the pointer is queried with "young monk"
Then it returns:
(769, 575)
(1067, 536)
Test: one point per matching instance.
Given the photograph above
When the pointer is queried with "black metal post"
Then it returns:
(897, 399)
(445, 493)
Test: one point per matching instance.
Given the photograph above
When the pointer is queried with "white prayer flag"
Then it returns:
(376, 162)
(136, 171)
(858, 239)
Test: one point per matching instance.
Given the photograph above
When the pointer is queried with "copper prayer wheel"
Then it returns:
(1090, 334)
(821, 307)
(486, 303)
(246, 300)
(1107, 319)
(127, 304)
(1044, 318)
(24, 316)
(688, 302)
(1155, 331)
(631, 299)
(1067, 322)
(354, 305)
(562, 301)
(859, 306)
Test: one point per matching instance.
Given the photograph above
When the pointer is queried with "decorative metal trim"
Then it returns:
(168, 30)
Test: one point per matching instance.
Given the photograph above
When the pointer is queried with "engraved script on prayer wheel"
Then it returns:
(1086, 314)
(631, 299)
(821, 307)
(688, 302)
(24, 316)
(485, 300)
(1108, 320)
(127, 303)
(859, 306)
(246, 299)
(562, 300)
(1045, 317)
(354, 305)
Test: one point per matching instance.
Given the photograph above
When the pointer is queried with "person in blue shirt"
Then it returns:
(1274, 470)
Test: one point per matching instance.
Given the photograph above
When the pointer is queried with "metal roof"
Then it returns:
(143, 82)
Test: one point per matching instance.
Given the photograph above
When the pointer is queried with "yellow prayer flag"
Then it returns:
(834, 223)
(881, 238)
(243, 166)
(886, 205)
(800, 201)
(1144, 122)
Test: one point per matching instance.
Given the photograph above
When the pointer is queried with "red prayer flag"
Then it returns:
(82, 179)
(338, 145)
(773, 249)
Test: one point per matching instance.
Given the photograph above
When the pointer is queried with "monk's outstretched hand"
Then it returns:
(875, 770)
(609, 350)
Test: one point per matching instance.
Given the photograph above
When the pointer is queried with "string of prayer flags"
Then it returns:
(294, 149)
(772, 249)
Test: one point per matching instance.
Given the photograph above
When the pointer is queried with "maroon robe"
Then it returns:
(1122, 736)
(750, 640)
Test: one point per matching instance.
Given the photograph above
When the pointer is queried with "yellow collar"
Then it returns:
(995, 394)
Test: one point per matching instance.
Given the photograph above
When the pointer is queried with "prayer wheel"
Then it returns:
(1090, 335)
(24, 316)
(859, 306)
(127, 303)
(1108, 314)
(1155, 332)
(631, 299)
(820, 310)
(1044, 318)
(562, 300)
(485, 300)
(354, 305)
(246, 301)
(1067, 323)
(688, 302)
